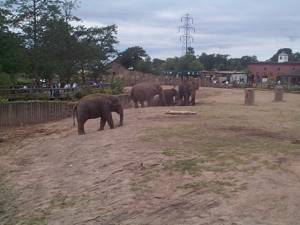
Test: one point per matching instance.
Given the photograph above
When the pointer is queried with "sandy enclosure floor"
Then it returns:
(230, 164)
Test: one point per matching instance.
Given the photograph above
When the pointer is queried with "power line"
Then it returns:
(187, 28)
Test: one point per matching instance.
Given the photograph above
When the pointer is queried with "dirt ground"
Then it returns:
(230, 164)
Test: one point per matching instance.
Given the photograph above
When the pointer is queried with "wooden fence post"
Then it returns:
(249, 96)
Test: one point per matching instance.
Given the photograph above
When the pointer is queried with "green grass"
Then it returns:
(214, 186)
(190, 166)
(194, 150)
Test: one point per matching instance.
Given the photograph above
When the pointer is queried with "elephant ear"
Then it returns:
(114, 104)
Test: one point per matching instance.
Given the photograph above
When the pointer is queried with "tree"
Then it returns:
(145, 65)
(297, 56)
(287, 51)
(95, 49)
(57, 51)
(31, 17)
(131, 56)
(12, 52)
(67, 7)
(157, 66)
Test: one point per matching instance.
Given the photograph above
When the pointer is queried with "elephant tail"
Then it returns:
(75, 114)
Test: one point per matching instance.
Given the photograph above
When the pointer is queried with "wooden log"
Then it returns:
(249, 96)
(278, 90)
(181, 113)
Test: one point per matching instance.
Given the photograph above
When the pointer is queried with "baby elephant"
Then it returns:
(171, 97)
(94, 106)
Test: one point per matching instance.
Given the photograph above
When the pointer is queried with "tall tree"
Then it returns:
(12, 51)
(31, 16)
(95, 49)
(57, 51)
(131, 56)
(67, 7)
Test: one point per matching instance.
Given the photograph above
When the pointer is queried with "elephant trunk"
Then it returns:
(121, 113)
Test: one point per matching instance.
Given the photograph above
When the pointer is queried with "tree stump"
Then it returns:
(249, 96)
(278, 90)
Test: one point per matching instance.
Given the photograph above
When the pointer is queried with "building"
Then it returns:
(283, 57)
(271, 72)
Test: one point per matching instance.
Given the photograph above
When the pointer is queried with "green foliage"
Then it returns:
(132, 56)
(83, 91)
(12, 53)
(94, 49)
(54, 47)
(144, 65)
(5, 79)
(117, 86)
(3, 100)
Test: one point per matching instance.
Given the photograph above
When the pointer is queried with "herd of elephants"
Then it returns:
(100, 105)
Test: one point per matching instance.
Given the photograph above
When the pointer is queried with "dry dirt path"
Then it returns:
(229, 164)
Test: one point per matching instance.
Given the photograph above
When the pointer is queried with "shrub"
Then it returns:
(117, 86)
(83, 91)
(3, 100)
(5, 79)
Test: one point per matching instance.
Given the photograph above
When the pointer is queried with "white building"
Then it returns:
(283, 57)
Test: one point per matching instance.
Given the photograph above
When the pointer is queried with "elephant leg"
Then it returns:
(150, 102)
(142, 104)
(193, 100)
(102, 123)
(186, 100)
(80, 127)
(136, 104)
(110, 121)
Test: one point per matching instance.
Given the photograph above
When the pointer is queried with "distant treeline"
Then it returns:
(39, 42)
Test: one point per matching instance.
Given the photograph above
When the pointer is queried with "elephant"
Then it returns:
(171, 96)
(145, 92)
(187, 89)
(94, 106)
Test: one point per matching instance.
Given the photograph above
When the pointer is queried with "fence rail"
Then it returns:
(21, 113)
(31, 112)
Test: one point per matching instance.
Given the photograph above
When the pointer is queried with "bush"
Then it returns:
(83, 91)
(5, 79)
(3, 100)
(117, 86)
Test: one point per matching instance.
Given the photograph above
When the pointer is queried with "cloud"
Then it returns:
(231, 27)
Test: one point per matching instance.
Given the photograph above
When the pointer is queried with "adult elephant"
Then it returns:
(187, 92)
(145, 92)
(95, 106)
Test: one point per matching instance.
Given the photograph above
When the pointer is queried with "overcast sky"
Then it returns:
(234, 27)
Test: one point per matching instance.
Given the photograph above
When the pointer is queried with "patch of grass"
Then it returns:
(35, 220)
(170, 152)
(230, 151)
(215, 186)
(190, 166)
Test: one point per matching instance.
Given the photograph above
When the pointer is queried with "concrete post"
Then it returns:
(249, 96)
(278, 90)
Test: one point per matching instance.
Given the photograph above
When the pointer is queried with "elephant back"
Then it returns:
(145, 90)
